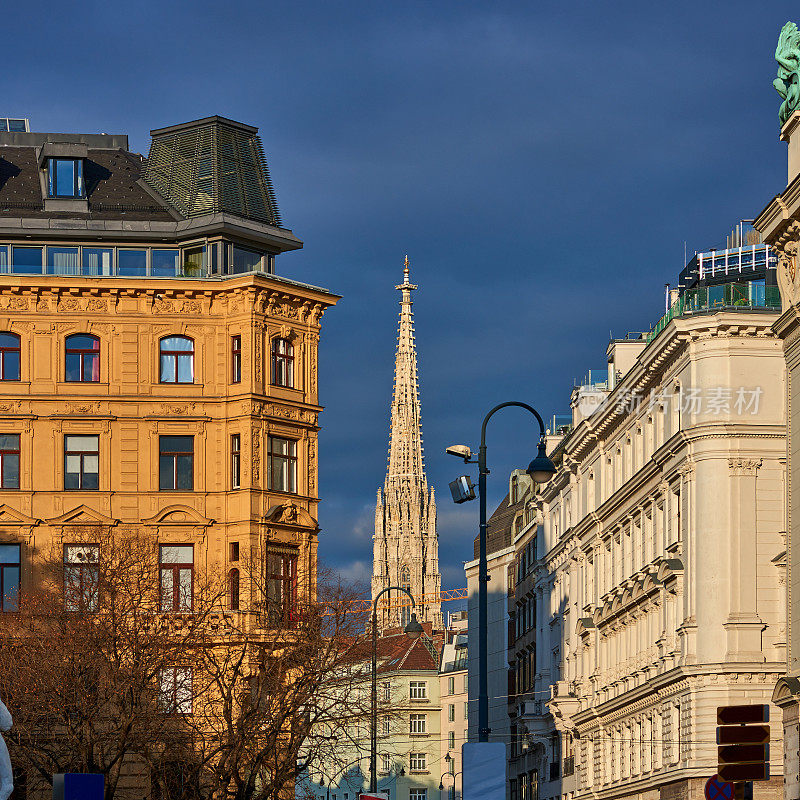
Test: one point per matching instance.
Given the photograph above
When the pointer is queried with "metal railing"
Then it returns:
(730, 296)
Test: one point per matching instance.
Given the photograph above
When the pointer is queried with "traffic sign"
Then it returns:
(738, 753)
(742, 715)
(717, 789)
(743, 734)
(758, 771)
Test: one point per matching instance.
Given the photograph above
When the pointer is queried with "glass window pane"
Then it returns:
(167, 369)
(73, 367)
(91, 464)
(9, 441)
(177, 343)
(11, 365)
(165, 263)
(9, 553)
(63, 261)
(26, 260)
(166, 589)
(132, 262)
(185, 589)
(91, 367)
(177, 444)
(3, 258)
(82, 444)
(177, 554)
(245, 260)
(9, 340)
(193, 261)
(10, 464)
(10, 588)
(166, 478)
(64, 178)
(185, 369)
(97, 261)
(82, 342)
(184, 468)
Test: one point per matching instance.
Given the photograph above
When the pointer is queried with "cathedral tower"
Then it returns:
(406, 546)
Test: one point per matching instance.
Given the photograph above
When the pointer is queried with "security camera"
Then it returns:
(459, 450)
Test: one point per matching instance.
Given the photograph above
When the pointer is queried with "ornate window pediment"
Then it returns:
(82, 515)
(178, 514)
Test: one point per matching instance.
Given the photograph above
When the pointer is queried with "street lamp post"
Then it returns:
(541, 469)
(441, 782)
(413, 631)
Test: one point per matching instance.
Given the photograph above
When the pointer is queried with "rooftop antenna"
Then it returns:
(684, 252)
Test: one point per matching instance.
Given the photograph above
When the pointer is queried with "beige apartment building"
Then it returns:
(648, 581)
(454, 695)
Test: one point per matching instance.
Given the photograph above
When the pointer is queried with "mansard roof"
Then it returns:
(498, 526)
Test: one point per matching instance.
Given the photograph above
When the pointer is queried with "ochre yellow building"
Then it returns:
(154, 370)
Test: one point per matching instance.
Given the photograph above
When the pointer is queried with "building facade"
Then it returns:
(155, 371)
(454, 694)
(406, 544)
(410, 759)
(649, 571)
(779, 223)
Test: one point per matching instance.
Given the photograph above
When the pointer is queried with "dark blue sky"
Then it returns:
(541, 163)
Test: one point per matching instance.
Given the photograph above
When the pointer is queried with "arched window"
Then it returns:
(233, 590)
(177, 360)
(82, 358)
(9, 357)
(282, 363)
(405, 582)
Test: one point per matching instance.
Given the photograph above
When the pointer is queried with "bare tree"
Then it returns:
(103, 676)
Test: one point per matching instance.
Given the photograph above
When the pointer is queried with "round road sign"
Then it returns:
(718, 789)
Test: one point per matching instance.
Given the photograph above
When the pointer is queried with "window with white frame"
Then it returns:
(418, 690)
(386, 762)
(451, 713)
(418, 761)
(466, 710)
(451, 685)
(386, 726)
(418, 723)
(386, 692)
(451, 740)
(417, 794)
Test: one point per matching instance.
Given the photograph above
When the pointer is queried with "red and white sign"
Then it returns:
(374, 796)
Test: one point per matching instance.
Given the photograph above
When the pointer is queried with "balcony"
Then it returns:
(742, 296)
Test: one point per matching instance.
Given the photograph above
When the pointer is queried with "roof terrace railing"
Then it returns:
(740, 296)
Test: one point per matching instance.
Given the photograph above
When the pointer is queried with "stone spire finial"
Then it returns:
(406, 550)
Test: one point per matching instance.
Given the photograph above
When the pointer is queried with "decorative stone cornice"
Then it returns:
(744, 466)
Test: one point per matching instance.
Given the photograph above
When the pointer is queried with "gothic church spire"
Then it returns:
(406, 547)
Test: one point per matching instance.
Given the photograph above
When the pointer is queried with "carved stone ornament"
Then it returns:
(744, 466)
(788, 276)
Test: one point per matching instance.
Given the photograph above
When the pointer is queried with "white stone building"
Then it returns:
(453, 692)
(649, 570)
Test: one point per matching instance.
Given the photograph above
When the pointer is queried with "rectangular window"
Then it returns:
(451, 713)
(236, 461)
(245, 260)
(466, 710)
(165, 263)
(418, 723)
(451, 740)
(175, 690)
(65, 177)
(98, 260)
(386, 762)
(81, 577)
(9, 357)
(386, 726)
(132, 262)
(81, 462)
(418, 761)
(451, 685)
(234, 551)
(417, 794)
(418, 690)
(27, 260)
(236, 359)
(9, 577)
(63, 261)
(386, 692)
(176, 463)
(177, 577)
(282, 464)
(282, 585)
(9, 460)
(466, 683)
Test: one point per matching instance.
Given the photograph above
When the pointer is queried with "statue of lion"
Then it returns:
(6, 774)
(787, 84)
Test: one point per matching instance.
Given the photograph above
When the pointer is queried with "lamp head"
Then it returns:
(460, 451)
(448, 758)
(413, 630)
(541, 469)
(441, 786)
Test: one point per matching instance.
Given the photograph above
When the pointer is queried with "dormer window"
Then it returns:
(65, 177)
